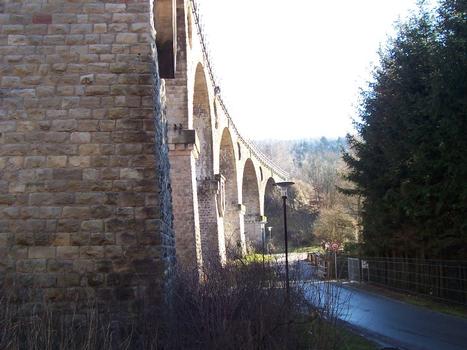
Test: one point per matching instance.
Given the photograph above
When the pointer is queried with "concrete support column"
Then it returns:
(211, 198)
(185, 200)
(254, 230)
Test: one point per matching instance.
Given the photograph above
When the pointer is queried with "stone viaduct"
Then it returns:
(116, 152)
(219, 179)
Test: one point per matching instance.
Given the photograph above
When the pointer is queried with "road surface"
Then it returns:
(392, 322)
(404, 325)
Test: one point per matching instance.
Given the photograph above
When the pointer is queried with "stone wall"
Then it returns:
(85, 207)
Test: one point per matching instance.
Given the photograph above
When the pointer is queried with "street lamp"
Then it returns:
(283, 186)
(270, 239)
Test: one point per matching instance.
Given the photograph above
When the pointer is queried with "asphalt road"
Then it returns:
(392, 322)
(404, 325)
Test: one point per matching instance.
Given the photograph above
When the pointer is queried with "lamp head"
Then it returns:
(283, 186)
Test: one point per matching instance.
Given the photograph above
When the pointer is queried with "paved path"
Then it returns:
(407, 326)
(393, 322)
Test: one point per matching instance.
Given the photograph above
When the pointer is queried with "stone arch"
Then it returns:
(233, 215)
(202, 124)
(254, 223)
(210, 186)
(165, 25)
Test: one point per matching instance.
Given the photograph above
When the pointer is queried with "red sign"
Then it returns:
(332, 246)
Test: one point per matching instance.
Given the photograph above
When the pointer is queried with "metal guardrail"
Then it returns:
(268, 163)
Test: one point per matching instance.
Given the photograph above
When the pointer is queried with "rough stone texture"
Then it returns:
(85, 205)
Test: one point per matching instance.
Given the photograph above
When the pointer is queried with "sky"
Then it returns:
(292, 69)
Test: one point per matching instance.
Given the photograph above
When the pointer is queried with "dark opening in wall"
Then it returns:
(165, 24)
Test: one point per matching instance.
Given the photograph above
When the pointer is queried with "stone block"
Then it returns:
(100, 28)
(112, 7)
(80, 137)
(34, 161)
(13, 29)
(31, 265)
(127, 38)
(124, 18)
(68, 280)
(81, 29)
(97, 90)
(79, 161)
(41, 252)
(92, 225)
(89, 149)
(131, 174)
(76, 212)
(90, 174)
(44, 280)
(15, 40)
(41, 18)
(67, 174)
(68, 252)
(64, 125)
(91, 252)
(56, 161)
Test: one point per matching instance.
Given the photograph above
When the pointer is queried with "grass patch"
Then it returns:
(258, 258)
(417, 300)
(349, 340)
(310, 249)
(339, 337)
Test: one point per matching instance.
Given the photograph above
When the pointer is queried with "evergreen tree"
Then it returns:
(408, 160)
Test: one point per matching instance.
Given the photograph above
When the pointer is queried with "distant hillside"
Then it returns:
(316, 162)
(316, 166)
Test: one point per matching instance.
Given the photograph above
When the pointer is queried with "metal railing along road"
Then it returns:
(445, 280)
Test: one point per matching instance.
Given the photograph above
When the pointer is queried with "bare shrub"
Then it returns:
(244, 306)
(238, 306)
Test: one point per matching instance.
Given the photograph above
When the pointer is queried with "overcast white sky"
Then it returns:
(292, 69)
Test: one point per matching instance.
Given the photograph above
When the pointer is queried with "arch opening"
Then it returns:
(202, 124)
(233, 216)
(189, 22)
(165, 25)
(254, 223)
(273, 212)
(210, 186)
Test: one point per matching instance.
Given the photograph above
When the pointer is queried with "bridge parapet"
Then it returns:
(254, 150)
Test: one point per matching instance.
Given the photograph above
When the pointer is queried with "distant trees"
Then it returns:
(318, 162)
(302, 213)
(316, 167)
(335, 225)
(409, 159)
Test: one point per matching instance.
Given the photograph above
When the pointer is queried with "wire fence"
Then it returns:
(443, 280)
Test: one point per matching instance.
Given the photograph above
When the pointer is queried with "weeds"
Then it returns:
(238, 306)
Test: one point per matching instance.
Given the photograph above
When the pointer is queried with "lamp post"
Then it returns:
(283, 186)
(263, 240)
(270, 239)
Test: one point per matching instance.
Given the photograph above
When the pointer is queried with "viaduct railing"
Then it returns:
(254, 150)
